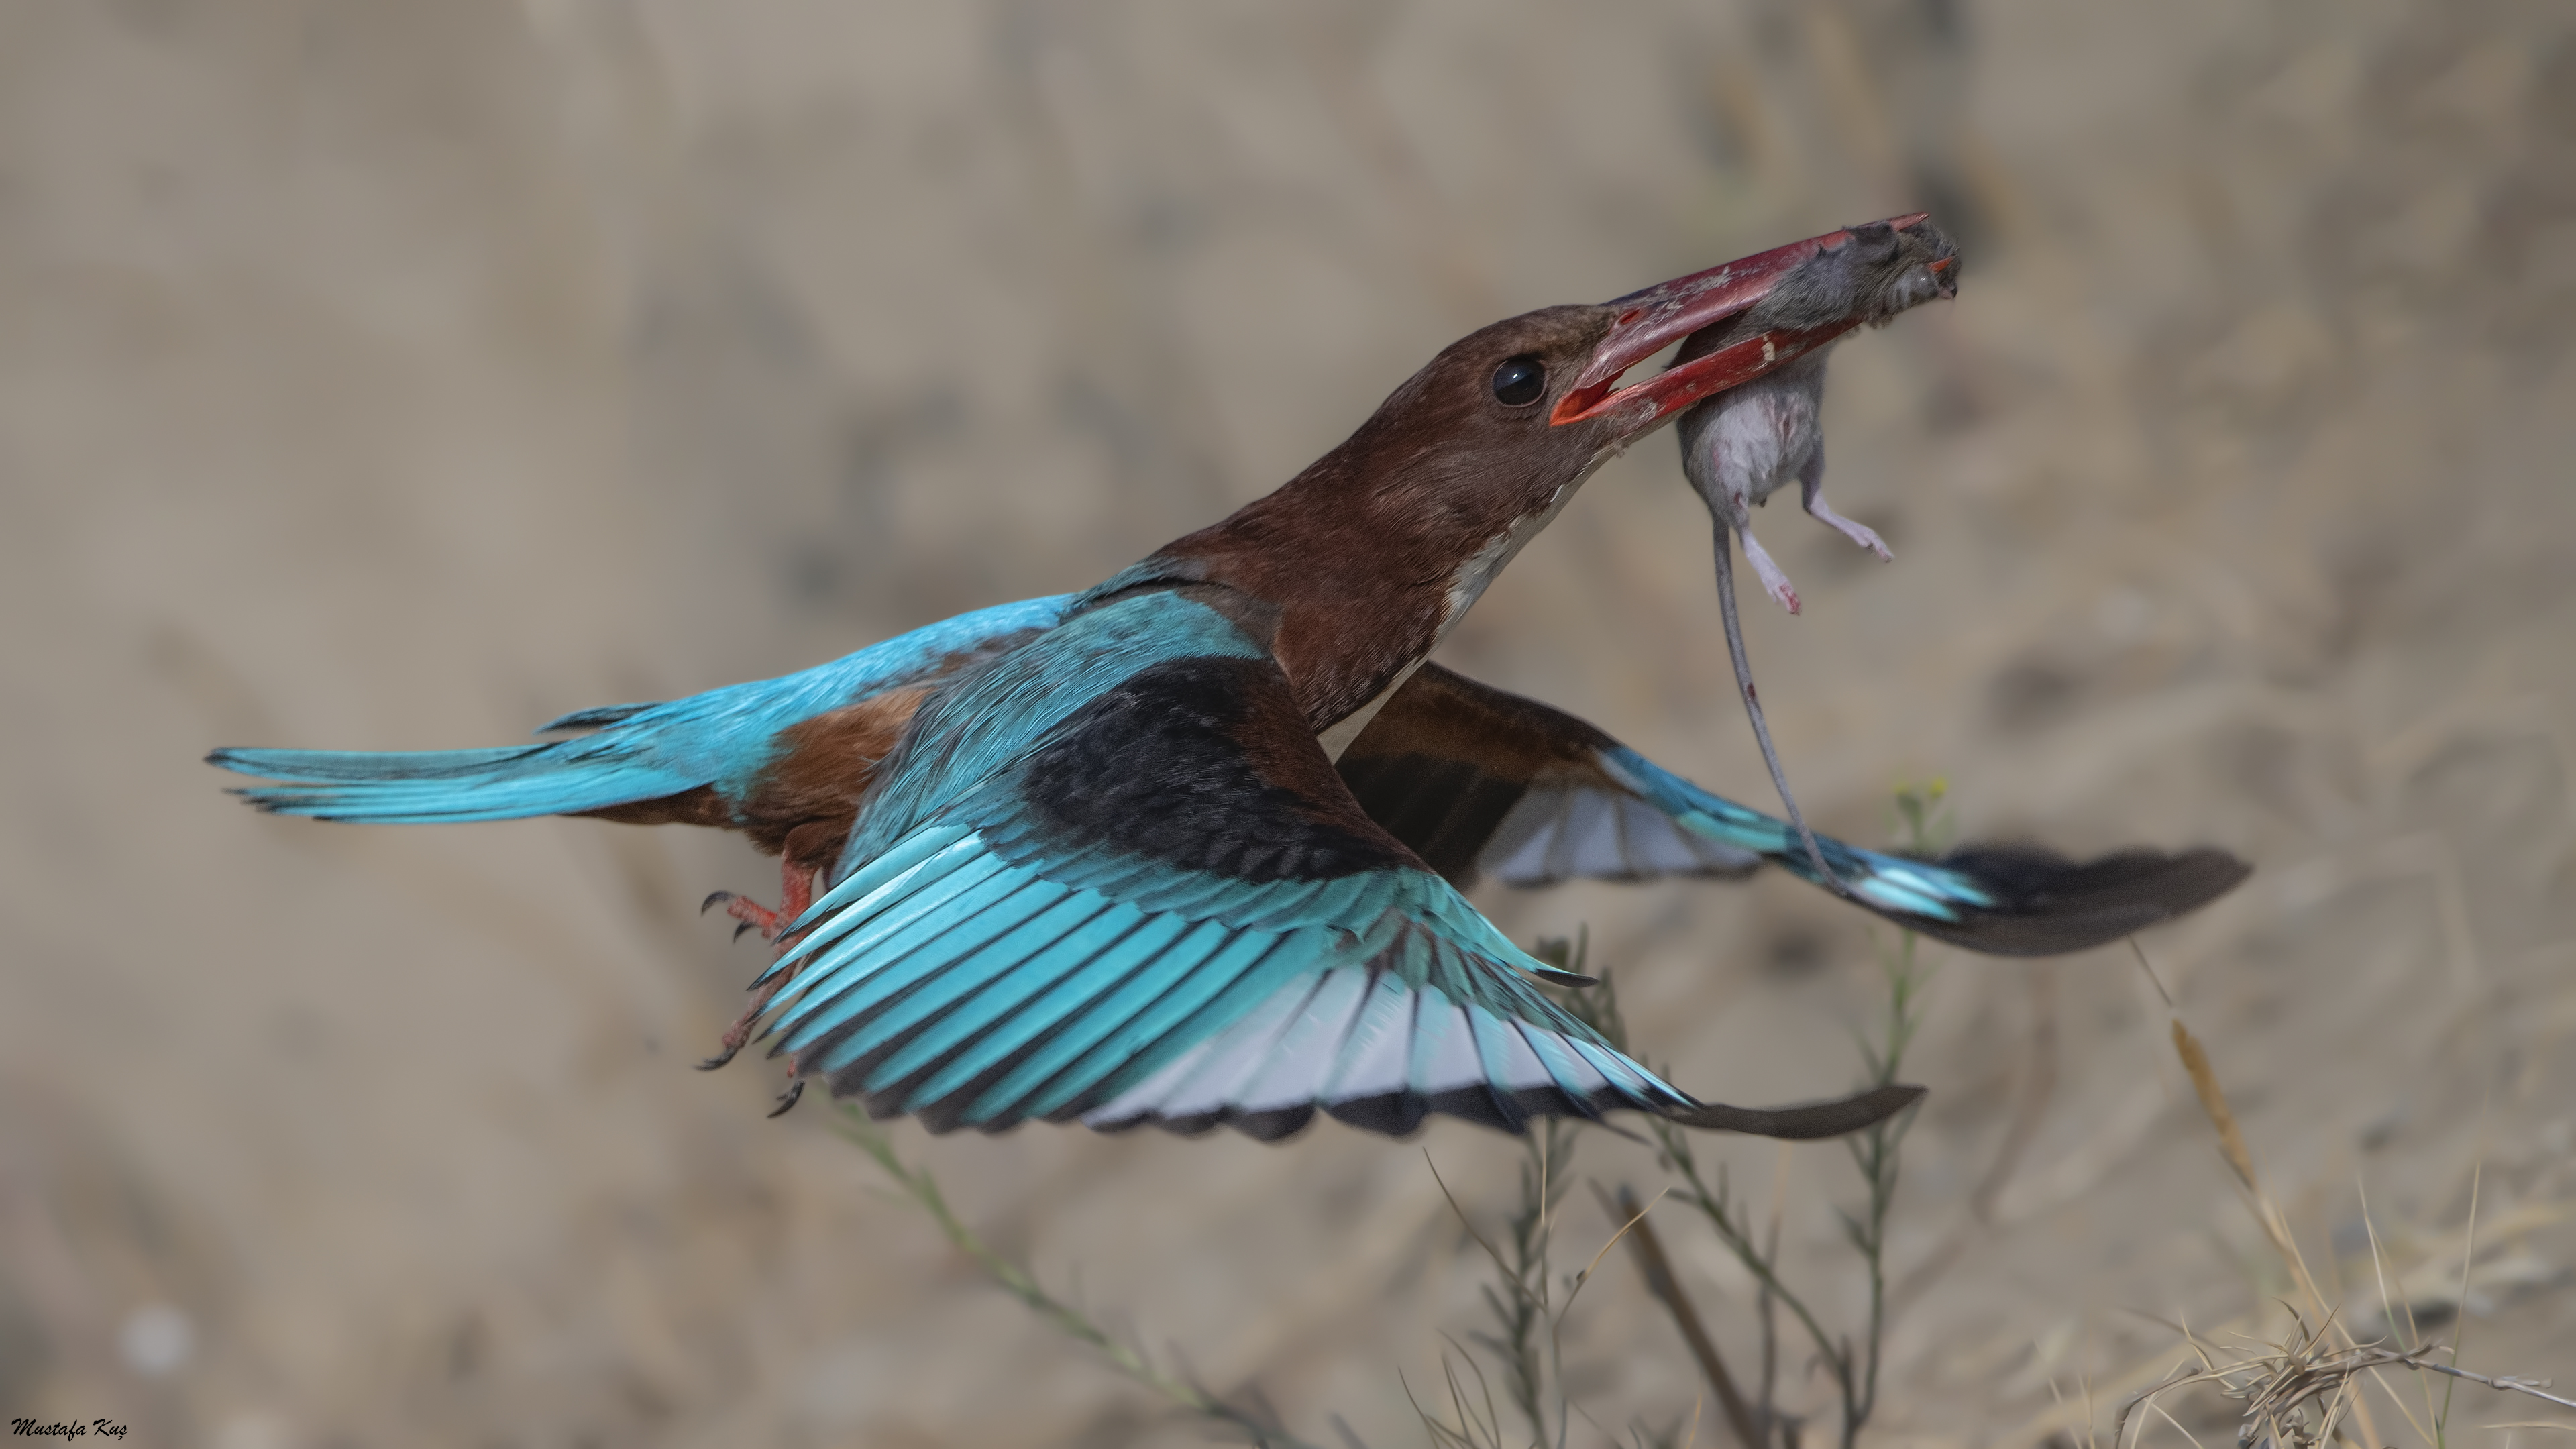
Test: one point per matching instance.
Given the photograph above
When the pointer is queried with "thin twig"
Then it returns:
(2273, 1387)
(1666, 1288)
(2460, 1320)
(2240, 1160)
(1072, 1322)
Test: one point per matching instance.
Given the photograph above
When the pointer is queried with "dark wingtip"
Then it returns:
(1802, 1123)
(257, 797)
(229, 757)
(2049, 905)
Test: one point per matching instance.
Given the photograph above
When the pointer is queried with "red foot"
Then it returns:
(795, 893)
(753, 915)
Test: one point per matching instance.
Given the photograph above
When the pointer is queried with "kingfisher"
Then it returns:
(1189, 849)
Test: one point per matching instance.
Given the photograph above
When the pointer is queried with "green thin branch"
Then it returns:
(1072, 1322)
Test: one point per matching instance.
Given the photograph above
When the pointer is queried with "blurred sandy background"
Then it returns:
(401, 375)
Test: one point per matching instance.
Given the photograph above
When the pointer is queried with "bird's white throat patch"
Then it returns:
(1338, 735)
(1468, 584)
(1465, 587)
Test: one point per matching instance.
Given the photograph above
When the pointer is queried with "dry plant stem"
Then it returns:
(1753, 708)
(2276, 1228)
(1072, 1322)
(2231, 1141)
(1543, 1186)
(1766, 1305)
(2460, 1320)
(1521, 1303)
(1534, 1375)
(1471, 1431)
(2037, 1086)
(1657, 1270)
(2274, 1387)
(1877, 1154)
(1521, 1309)
(1718, 1207)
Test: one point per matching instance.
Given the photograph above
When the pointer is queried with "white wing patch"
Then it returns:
(1359, 1042)
(1564, 832)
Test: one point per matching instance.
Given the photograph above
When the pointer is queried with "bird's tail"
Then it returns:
(451, 786)
(2001, 900)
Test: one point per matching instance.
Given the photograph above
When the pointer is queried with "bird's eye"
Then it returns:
(1519, 381)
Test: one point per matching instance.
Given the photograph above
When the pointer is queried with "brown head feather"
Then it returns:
(1364, 549)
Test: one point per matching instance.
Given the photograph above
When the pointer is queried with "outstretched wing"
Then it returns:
(1112, 878)
(1480, 782)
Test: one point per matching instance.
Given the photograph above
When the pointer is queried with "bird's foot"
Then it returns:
(753, 915)
(739, 1034)
(1774, 582)
(788, 1098)
(795, 893)
(732, 1043)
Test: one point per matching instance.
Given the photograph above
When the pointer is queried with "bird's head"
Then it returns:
(1382, 544)
(1499, 426)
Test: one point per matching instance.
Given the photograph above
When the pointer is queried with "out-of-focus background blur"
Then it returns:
(402, 375)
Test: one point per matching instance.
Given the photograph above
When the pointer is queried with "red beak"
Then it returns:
(1651, 320)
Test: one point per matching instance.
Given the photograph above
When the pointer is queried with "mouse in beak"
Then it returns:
(1749, 442)
(1742, 445)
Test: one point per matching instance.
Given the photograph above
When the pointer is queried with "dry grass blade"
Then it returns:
(2278, 1389)
(2468, 1255)
(2240, 1160)
(1461, 1214)
(1636, 1219)
(1666, 1288)
(2204, 1081)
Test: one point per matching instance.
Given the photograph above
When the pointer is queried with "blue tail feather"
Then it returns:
(725, 738)
(451, 786)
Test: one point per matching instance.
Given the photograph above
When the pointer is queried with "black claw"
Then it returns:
(719, 1059)
(713, 901)
(787, 1099)
(738, 930)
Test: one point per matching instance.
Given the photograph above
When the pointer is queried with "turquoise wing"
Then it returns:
(1113, 879)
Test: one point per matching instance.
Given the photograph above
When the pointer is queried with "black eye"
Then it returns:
(1519, 381)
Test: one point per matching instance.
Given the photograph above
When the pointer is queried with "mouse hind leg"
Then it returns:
(1811, 496)
(1774, 582)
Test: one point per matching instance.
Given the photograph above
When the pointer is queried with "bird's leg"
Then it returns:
(795, 893)
(1753, 702)
(753, 915)
(1811, 496)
